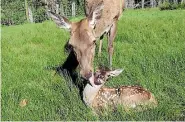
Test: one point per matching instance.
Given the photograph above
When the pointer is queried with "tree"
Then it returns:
(142, 3)
(182, 1)
(73, 8)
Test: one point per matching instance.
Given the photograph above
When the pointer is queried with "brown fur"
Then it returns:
(111, 12)
(128, 96)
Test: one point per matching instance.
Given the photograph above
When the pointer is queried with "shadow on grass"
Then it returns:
(67, 70)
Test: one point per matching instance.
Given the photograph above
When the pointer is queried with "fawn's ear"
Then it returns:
(61, 22)
(95, 14)
(115, 72)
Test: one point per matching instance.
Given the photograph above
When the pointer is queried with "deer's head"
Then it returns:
(102, 75)
(82, 39)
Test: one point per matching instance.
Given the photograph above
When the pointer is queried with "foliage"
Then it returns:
(80, 7)
(174, 6)
(171, 6)
(39, 10)
(67, 4)
(182, 5)
(149, 46)
(13, 12)
(40, 15)
(165, 6)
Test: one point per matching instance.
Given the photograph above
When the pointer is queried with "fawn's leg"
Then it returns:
(111, 37)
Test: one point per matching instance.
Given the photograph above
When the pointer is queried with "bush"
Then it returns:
(40, 15)
(182, 6)
(172, 6)
(13, 12)
(165, 6)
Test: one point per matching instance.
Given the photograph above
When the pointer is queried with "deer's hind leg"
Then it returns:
(111, 37)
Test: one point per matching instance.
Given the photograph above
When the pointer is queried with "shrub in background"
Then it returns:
(40, 15)
(182, 5)
(174, 6)
(171, 6)
(164, 6)
(12, 12)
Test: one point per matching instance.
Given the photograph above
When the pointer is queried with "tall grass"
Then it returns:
(149, 46)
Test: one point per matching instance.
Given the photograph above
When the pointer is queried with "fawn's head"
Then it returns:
(102, 75)
(82, 39)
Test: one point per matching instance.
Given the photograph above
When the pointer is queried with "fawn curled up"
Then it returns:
(97, 97)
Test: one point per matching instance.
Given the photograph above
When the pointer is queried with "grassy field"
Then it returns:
(150, 47)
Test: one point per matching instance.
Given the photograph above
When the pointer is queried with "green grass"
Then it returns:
(150, 46)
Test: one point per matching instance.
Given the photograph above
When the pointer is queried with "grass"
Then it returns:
(150, 46)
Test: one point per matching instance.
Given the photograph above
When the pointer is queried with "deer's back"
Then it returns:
(132, 96)
(106, 96)
(128, 96)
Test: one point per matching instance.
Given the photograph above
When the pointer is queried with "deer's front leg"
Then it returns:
(111, 37)
(100, 46)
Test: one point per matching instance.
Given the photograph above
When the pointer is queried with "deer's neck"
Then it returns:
(90, 93)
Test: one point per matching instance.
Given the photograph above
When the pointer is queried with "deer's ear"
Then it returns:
(95, 14)
(115, 72)
(62, 22)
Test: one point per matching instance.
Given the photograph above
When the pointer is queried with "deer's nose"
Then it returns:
(88, 75)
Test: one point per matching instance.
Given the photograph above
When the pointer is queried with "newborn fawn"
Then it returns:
(98, 97)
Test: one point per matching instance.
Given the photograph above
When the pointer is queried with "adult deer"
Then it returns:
(101, 18)
(98, 97)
